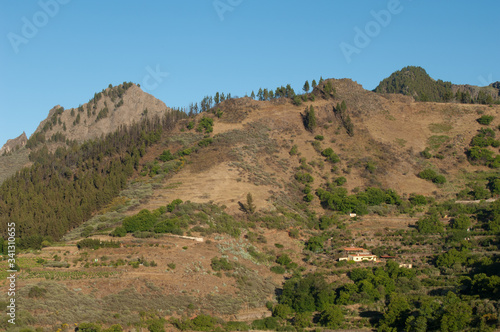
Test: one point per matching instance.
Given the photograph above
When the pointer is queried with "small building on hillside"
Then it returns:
(358, 255)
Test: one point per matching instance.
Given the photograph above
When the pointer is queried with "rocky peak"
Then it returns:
(109, 109)
(14, 144)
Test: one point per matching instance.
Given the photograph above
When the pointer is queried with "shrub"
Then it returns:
(340, 181)
(451, 257)
(89, 327)
(166, 156)
(221, 264)
(461, 222)
(143, 221)
(237, 326)
(205, 142)
(175, 202)
(430, 224)
(326, 221)
(172, 226)
(293, 150)
(185, 152)
(269, 323)
(308, 197)
(426, 154)
(319, 137)
(315, 244)
(114, 328)
(278, 269)
(304, 177)
(440, 179)
(431, 175)
(283, 260)
(205, 124)
(203, 323)
(481, 155)
(119, 232)
(485, 119)
(417, 199)
(330, 155)
(332, 317)
(156, 325)
(302, 320)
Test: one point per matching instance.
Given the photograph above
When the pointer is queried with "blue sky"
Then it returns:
(62, 51)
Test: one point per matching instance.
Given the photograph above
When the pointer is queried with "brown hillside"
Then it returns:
(253, 140)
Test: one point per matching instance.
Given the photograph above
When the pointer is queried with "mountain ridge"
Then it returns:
(14, 144)
(104, 113)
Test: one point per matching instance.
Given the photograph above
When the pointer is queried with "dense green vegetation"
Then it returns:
(336, 198)
(177, 218)
(479, 152)
(432, 175)
(415, 82)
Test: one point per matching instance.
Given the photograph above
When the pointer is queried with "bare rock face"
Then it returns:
(110, 109)
(14, 144)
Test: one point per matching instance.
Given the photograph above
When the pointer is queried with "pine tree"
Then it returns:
(314, 84)
(306, 87)
(310, 119)
(265, 94)
(252, 95)
(250, 206)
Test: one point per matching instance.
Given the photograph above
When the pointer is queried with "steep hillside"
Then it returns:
(252, 141)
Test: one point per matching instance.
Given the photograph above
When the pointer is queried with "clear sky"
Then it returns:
(62, 51)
